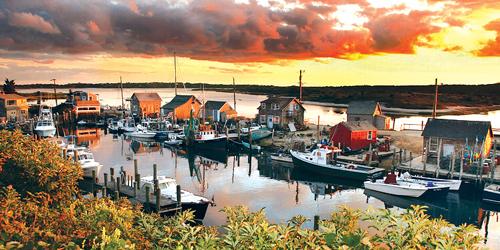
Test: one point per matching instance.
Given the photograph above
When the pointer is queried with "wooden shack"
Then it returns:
(145, 104)
(278, 111)
(369, 111)
(445, 139)
(180, 107)
(219, 111)
(353, 135)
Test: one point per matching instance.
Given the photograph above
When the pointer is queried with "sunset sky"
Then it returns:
(336, 42)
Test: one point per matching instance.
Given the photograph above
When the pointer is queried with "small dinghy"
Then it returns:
(491, 194)
(391, 185)
(453, 184)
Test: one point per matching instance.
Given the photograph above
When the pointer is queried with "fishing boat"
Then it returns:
(208, 138)
(491, 194)
(168, 189)
(142, 132)
(127, 125)
(453, 184)
(87, 163)
(45, 124)
(391, 185)
(322, 161)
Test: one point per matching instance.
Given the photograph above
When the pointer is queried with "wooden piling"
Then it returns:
(452, 168)
(105, 179)
(65, 154)
(112, 173)
(461, 164)
(138, 181)
(117, 195)
(400, 156)
(370, 153)
(155, 173)
(316, 222)
(438, 167)
(136, 174)
(147, 204)
(178, 195)
(135, 189)
(393, 157)
(94, 191)
(124, 178)
(76, 156)
(317, 131)
(117, 184)
(409, 164)
(481, 161)
(493, 161)
(158, 194)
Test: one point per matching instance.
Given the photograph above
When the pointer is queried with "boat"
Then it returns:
(280, 157)
(45, 124)
(127, 125)
(168, 189)
(453, 184)
(322, 161)
(208, 138)
(259, 134)
(87, 163)
(391, 185)
(491, 194)
(173, 140)
(252, 128)
(113, 126)
(142, 132)
(81, 123)
(251, 147)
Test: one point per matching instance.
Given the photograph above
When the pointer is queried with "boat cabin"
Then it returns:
(205, 132)
(164, 183)
(323, 155)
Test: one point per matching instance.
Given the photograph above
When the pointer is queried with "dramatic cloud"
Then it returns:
(225, 30)
(493, 47)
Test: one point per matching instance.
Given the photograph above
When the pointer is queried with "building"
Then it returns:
(13, 107)
(354, 135)
(145, 104)
(180, 107)
(445, 139)
(369, 111)
(279, 111)
(218, 111)
(79, 105)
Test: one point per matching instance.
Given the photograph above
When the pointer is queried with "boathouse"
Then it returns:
(278, 112)
(369, 111)
(13, 107)
(180, 107)
(145, 104)
(445, 139)
(353, 135)
(79, 105)
(219, 111)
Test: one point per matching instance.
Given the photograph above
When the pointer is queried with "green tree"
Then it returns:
(10, 86)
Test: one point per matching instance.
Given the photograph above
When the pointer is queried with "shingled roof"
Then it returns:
(359, 125)
(362, 107)
(457, 129)
(214, 105)
(282, 101)
(177, 101)
(147, 96)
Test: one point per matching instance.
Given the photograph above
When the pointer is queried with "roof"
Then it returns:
(177, 101)
(214, 105)
(358, 125)
(282, 101)
(147, 96)
(11, 96)
(457, 129)
(362, 107)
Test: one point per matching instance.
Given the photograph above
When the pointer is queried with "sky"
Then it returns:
(336, 42)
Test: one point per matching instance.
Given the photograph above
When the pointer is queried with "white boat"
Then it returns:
(282, 158)
(87, 162)
(323, 161)
(491, 194)
(45, 124)
(453, 184)
(392, 185)
(127, 125)
(142, 132)
(113, 126)
(168, 189)
(251, 128)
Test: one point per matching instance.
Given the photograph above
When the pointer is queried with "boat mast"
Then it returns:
(204, 108)
(434, 109)
(300, 84)
(234, 95)
(55, 92)
(123, 103)
(175, 74)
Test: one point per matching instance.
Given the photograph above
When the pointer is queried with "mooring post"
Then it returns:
(76, 156)
(135, 189)
(136, 174)
(238, 129)
(493, 161)
(147, 205)
(370, 153)
(178, 195)
(94, 191)
(409, 164)
(117, 184)
(138, 181)
(158, 193)
(117, 195)
(155, 173)
(393, 157)
(106, 179)
(65, 154)
(104, 192)
(316, 222)
(438, 167)
(112, 173)
(400, 157)
(124, 178)
(155, 187)
(461, 164)
(452, 167)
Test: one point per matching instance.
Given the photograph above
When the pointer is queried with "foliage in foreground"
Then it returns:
(47, 217)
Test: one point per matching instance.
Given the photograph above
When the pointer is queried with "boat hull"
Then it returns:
(46, 132)
(199, 209)
(215, 144)
(337, 172)
(491, 196)
(394, 189)
(453, 184)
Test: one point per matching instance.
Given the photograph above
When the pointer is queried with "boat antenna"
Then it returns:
(204, 108)
(175, 73)
(234, 95)
(123, 103)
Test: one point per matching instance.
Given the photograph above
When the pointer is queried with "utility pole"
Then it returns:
(175, 73)
(234, 95)
(434, 110)
(55, 92)
(300, 84)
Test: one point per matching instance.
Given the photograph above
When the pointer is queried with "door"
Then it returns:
(270, 121)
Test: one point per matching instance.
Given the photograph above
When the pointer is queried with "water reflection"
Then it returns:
(235, 178)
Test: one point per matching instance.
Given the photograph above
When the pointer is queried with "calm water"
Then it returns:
(282, 191)
(247, 105)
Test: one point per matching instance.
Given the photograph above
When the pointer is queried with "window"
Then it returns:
(11, 102)
(296, 106)
(370, 135)
(263, 105)
(275, 106)
(262, 118)
(433, 147)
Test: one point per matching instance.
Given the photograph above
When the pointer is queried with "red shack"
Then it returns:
(353, 134)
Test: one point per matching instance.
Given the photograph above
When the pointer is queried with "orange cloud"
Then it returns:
(492, 48)
(28, 20)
